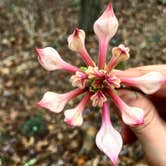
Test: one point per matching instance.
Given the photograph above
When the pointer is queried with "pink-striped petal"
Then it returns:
(56, 102)
(106, 25)
(108, 139)
(148, 83)
(74, 117)
(105, 28)
(119, 54)
(76, 42)
(132, 116)
(50, 59)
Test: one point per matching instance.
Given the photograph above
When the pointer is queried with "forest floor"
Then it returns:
(33, 136)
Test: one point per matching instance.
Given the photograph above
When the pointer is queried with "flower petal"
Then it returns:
(98, 99)
(79, 80)
(119, 54)
(50, 59)
(53, 101)
(132, 116)
(74, 117)
(148, 83)
(56, 102)
(76, 42)
(106, 25)
(105, 28)
(108, 139)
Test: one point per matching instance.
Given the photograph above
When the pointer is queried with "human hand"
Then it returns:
(153, 133)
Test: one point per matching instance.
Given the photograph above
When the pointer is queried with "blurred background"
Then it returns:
(32, 136)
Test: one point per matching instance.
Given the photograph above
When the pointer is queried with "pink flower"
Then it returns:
(50, 59)
(108, 139)
(105, 28)
(98, 82)
(74, 116)
(119, 54)
(148, 83)
(56, 102)
(76, 42)
(132, 116)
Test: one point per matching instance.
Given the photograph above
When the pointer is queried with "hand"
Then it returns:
(152, 134)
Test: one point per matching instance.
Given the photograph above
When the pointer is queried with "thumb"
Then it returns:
(152, 134)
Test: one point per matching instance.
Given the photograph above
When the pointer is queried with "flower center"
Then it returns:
(95, 79)
(101, 80)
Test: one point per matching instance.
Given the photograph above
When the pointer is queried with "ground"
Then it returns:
(33, 136)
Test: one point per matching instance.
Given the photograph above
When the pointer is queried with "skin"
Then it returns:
(152, 134)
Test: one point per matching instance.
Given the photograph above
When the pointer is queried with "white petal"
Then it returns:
(150, 82)
(49, 58)
(76, 40)
(133, 116)
(74, 117)
(109, 141)
(106, 25)
(53, 101)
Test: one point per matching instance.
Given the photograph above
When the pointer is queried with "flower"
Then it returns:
(148, 83)
(98, 83)
(76, 42)
(56, 102)
(74, 116)
(108, 139)
(50, 59)
(105, 28)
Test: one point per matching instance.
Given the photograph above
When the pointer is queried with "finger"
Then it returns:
(159, 68)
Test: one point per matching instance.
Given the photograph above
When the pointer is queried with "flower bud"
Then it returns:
(132, 116)
(119, 54)
(50, 59)
(56, 102)
(74, 117)
(108, 139)
(76, 41)
(148, 83)
(106, 25)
